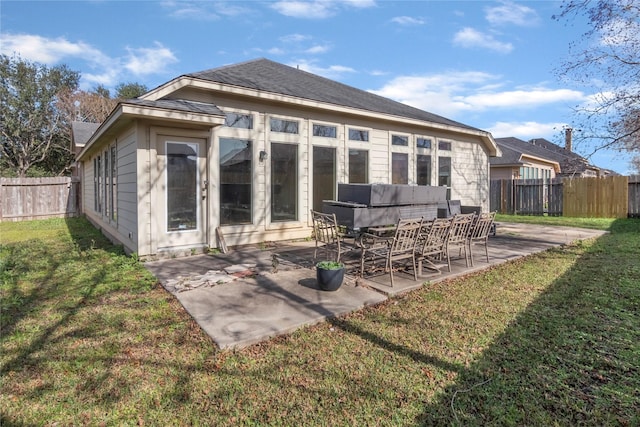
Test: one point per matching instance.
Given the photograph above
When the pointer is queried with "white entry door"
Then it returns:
(182, 167)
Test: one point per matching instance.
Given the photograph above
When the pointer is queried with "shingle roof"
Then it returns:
(178, 105)
(526, 148)
(570, 162)
(509, 156)
(82, 131)
(270, 76)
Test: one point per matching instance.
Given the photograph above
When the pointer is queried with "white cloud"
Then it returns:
(359, 4)
(48, 51)
(294, 38)
(523, 98)
(276, 51)
(331, 72)
(525, 130)
(457, 92)
(512, 13)
(304, 9)
(439, 93)
(317, 9)
(318, 49)
(470, 38)
(95, 66)
(204, 11)
(407, 20)
(299, 43)
(144, 61)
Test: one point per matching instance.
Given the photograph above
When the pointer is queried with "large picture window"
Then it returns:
(182, 186)
(423, 170)
(235, 181)
(444, 174)
(324, 175)
(284, 182)
(399, 168)
(358, 166)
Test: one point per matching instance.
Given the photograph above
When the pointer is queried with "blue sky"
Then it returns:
(488, 64)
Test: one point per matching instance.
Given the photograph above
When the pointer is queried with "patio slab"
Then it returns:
(274, 290)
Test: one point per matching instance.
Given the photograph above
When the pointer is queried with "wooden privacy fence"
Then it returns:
(609, 197)
(38, 198)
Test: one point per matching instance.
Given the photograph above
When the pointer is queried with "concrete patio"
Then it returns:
(272, 290)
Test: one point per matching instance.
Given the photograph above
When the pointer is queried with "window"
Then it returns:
(284, 182)
(182, 186)
(399, 168)
(399, 140)
(99, 206)
(444, 174)
(358, 166)
(235, 181)
(242, 121)
(423, 169)
(96, 184)
(325, 131)
(423, 142)
(285, 126)
(114, 183)
(444, 145)
(106, 184)
(324, 175)
(358, 135)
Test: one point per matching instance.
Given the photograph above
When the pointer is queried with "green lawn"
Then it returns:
(89, 338)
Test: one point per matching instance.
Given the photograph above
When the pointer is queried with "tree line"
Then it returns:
(38, 105)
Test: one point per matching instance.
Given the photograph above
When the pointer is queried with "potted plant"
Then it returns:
(329, 275)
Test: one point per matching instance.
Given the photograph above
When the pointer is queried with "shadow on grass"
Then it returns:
(570, 358)
(54, 271)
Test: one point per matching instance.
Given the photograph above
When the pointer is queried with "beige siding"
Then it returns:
(502, 172)
(470, 174)
(88, 198)
(127, 196)
(141, 194)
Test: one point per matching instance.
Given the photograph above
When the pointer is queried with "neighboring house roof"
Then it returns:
(514, 149)
(82, 131)
(266, 75)
(514, 152)
(570, 162)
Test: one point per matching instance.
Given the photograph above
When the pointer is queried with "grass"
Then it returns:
(88, 337)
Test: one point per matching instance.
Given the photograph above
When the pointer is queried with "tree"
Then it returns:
(607, 58)
(32, 128)
(130, 90)
(85, 106)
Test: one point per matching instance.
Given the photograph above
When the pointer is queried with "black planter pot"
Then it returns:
(329, 280)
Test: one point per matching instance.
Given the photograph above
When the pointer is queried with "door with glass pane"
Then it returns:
(324, 175)
(182, 217)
